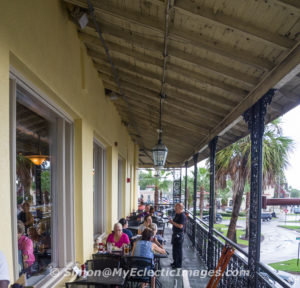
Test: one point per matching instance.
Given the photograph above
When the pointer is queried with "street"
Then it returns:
(279, 244)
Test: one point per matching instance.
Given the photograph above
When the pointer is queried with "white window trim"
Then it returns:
(102, 199)
(63, 262)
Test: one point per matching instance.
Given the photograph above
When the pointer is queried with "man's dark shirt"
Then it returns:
(143, 214)
(179, 219)
(22, 216)
(128, 232)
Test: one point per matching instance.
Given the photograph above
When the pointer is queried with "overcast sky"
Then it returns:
(291, 128)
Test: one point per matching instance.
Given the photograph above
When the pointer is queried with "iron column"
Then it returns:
(195, 158)
(186, 192)
(212, 158)
(255, 118)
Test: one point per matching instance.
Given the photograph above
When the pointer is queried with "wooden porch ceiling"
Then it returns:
(221, 57)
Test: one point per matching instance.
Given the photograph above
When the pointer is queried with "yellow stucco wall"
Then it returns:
(40, 42)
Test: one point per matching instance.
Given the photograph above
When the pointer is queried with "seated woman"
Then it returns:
(156, 239)
(117, 237)
(152, 212)
(44, 239)
(25, 246)
(146, 248)
(25, 216)
(124, 224)
(145, 224)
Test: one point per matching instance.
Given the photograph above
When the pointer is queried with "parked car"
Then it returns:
(228, 210)
(266, 216)
(297, 210)
(219, 218)
(283, 275)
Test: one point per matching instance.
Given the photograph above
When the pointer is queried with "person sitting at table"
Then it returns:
(152, 212)
(146, 248)
(44, 238)
(146, 212)
(117, 237)
(145, 224)
(141, 206)
(25, 246)
(4, 271)
(156, 238)
(25, 216)
(124, 224)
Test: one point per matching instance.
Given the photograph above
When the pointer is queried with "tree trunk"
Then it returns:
(247, 214)
(236, 209)
(201, 201)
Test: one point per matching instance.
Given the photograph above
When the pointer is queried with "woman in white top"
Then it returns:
(145, 224)
(4, 273)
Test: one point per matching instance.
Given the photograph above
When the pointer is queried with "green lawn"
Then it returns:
(224, 228)
(288, 266)
(291, 227)
(229, 217)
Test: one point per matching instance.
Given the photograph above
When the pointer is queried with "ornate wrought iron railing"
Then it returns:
(237, 273)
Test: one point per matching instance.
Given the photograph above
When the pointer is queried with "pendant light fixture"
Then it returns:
(160, 150)
(37, 159)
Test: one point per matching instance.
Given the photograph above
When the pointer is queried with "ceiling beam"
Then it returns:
(154, 102)
(154, 24)
(166, 121)
(153, 111)
(214, 99)
(127, 66)
(96, 51)
(177, 102)
(190, 8)
(167, 117)
(292, 4)
(194, 60)
(269, 81)
(175, 93)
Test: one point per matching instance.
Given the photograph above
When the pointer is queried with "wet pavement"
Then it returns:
(279, 244)
(191, 263)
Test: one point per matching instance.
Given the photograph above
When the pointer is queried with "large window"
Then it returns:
(99, 189)
(120, 188)
(42, 193)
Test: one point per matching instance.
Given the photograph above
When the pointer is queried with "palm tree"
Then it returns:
(234, 162)
(160, 182)
(203, 184)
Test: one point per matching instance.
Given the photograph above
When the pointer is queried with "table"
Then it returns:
(136, 228)
(115, 280)
(158, 256)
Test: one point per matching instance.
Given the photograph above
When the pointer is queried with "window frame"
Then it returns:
(99, 195)
(63, 203)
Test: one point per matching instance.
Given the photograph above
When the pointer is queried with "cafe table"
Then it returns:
(158, 256)
(136, 228)
(105, 281)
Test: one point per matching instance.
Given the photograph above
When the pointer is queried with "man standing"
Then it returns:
(177, 237)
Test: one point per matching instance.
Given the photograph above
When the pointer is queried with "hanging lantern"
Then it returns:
(159, 152)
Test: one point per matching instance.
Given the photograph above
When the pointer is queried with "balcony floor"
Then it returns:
(191, 262)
